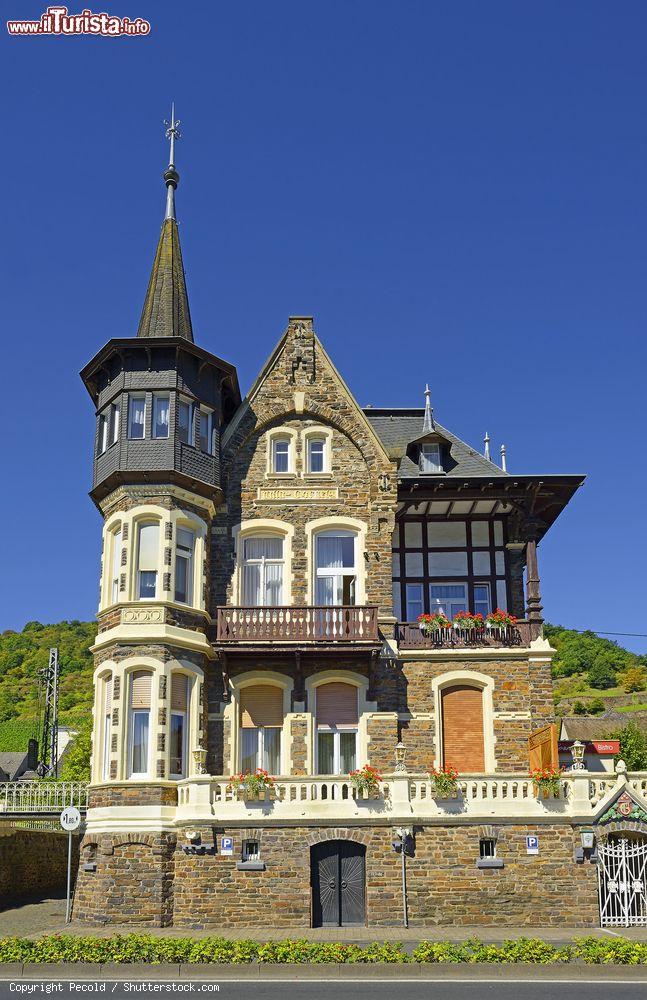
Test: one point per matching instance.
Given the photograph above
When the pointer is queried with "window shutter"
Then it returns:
(148, 546)
(543, 749)
(261, 705)
(337, 704)
(179, 692)
(141, 689)
(462, 713)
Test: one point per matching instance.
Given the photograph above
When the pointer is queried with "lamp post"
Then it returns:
(577, 753)
(400, 753)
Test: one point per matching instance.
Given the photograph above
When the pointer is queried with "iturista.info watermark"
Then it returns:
(57, 21)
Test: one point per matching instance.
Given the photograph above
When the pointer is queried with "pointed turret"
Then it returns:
(166, 306)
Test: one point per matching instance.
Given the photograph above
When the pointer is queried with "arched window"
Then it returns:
(335, 567)
(147, 560)
(262, 583)
(107, 722)
(337, 719)
(139, 728)
(281, 457)
(179, 725)
(462, 728)
(261, 721)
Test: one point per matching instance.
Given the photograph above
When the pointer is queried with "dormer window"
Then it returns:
(430, 458)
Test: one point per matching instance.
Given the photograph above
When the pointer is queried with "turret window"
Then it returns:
(115, 565)
(114, 423)
(184, 565)
(206, 431)
(161, 407)
(179, 708)
(107, 719)
(147, 560)
(186, 422)
(430, 458)
(103, 434)
(140, 706)
(136, 417)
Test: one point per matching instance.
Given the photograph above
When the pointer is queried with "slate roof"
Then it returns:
(166, 306)
(13, 763)
(399, 428)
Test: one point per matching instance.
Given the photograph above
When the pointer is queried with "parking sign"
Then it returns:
(227, 845)
(532, 845)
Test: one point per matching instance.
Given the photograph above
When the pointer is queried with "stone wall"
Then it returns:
(147, 880)
(34, 862)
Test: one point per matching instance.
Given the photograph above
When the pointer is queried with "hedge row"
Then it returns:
(146, 948)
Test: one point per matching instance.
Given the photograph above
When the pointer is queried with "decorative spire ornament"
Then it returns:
(428, 425)
(171, 176)
(504, 464)
(486, 442)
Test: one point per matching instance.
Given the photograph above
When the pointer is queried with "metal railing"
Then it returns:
(40, 798)
(410, 636)
(306, 623)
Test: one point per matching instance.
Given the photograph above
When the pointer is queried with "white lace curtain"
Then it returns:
(262, 572)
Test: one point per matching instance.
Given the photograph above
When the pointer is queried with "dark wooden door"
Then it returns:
(338, 884)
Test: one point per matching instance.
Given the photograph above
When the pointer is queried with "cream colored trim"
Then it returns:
(327, 524)
(170, 634)
(232, 708)
(365, 708)
(270, 436)
(144, 493)
(449, 655)
(263, 526)
(316, 431)
(474, 679)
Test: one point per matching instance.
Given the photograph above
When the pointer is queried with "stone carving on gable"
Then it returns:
(301, 356)
(624, 808)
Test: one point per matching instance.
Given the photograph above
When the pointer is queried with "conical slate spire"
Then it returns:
(428, 424)
(166, 306)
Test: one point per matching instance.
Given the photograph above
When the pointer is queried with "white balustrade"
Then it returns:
(41, 797)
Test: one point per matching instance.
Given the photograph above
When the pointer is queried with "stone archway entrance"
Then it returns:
(338, 879)
(622, 880)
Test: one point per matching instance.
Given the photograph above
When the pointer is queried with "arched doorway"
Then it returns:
(622, 880)
(338, 879)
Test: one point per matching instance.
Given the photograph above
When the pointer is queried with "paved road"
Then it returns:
(508, 989)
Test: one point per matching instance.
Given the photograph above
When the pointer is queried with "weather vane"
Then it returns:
(172, 133)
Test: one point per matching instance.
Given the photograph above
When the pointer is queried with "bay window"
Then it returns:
(136, 417)
(186, 421)
(206, 431)
(107, 722)
(115, 564)
(139, 729)
(262, 583)
(103, 434)
(184, 549)
(179, 727)
(335, 567)
(114, 423)
(161, 409)
(337, 720)
(147, 560)
(261, 721)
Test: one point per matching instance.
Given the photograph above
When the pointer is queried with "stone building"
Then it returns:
(265, 564)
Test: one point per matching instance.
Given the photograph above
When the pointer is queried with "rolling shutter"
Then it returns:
(462, 714)
(261, 705)
(141, 689)
(179, 692)
(337, 704)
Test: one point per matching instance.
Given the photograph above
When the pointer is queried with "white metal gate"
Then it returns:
(622, 876)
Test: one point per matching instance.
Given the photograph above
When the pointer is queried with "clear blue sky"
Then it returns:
(456, 191)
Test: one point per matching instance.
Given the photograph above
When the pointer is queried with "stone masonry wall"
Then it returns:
(34, 862)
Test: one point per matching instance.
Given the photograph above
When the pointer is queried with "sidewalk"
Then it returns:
(34, 917)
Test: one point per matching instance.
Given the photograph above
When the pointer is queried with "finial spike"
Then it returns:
(504, 464)
(171, 175)
(486, 441)
(428, 424)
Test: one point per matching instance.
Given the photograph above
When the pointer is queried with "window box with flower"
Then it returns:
(499, 623)
(444, 782)
(466, 622)
(547, 782)
(436, 625)
(254, 786)
(366, 782)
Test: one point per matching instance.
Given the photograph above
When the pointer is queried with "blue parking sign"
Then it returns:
(532, 845)
(227, 845)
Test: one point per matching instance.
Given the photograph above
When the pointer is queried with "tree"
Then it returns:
(633, 747)
(579, 708)
(76, 762)
(601, 676)
(634, 679)
(595, 706)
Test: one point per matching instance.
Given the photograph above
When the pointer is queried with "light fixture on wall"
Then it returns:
(577, 753)
(400, 753)
(587, 837)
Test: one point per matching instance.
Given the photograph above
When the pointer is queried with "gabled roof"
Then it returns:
(397, 429)
(166, 306)
(13, 763)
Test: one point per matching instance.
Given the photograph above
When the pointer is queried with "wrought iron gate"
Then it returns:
(338, 884)
(622, 878)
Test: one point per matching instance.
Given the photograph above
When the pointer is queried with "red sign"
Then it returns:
(594, 746)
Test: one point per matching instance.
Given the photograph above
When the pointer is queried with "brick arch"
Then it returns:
(621, 826)
(357, 836)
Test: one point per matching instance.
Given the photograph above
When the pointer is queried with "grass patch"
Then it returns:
(131, 948)
(638, 707)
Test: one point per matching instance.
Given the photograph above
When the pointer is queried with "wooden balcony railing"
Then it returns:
(298, 624)
(409, 636)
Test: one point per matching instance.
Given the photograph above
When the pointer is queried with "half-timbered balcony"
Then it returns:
(298, 624)
(410, 636)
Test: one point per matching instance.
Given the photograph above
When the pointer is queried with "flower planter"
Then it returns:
(260, 795)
